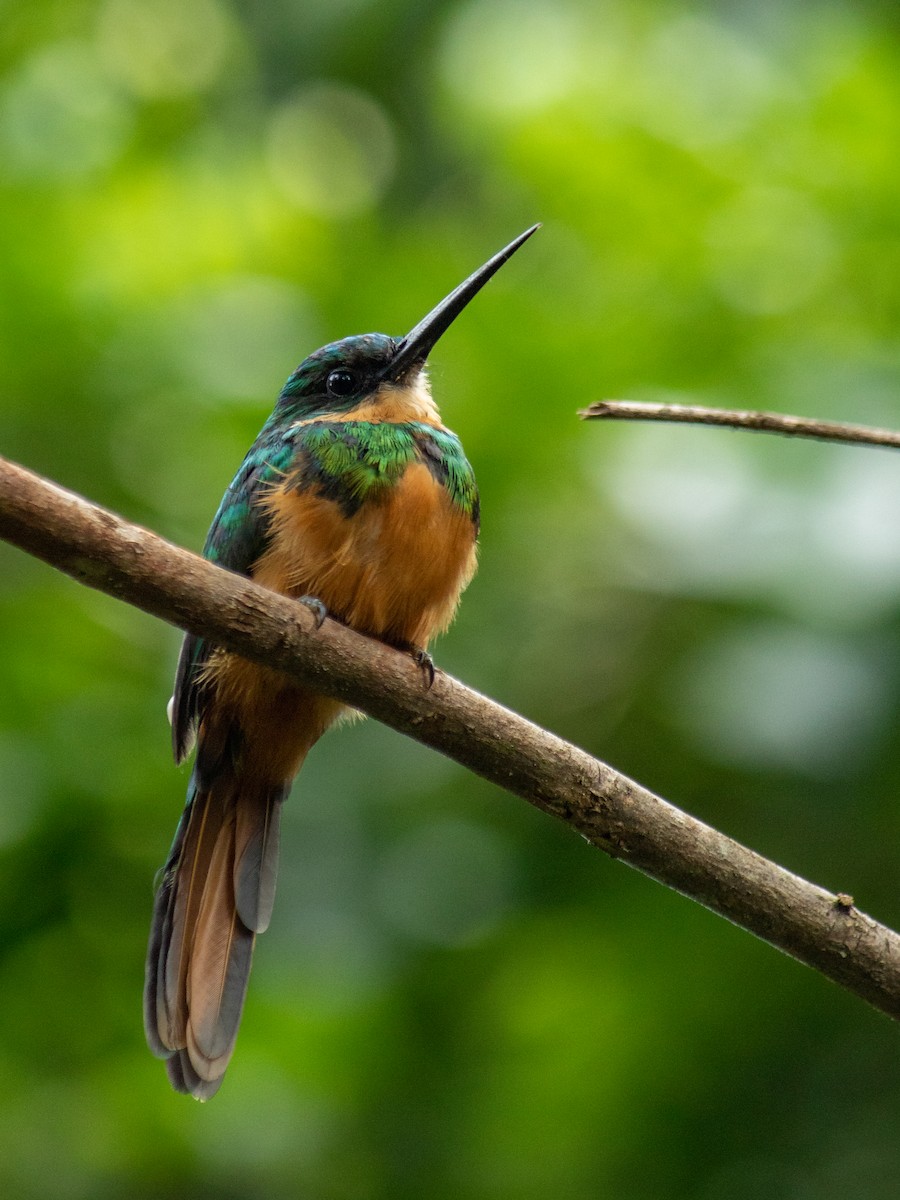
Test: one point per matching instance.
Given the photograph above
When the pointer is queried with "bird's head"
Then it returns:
(370, 372)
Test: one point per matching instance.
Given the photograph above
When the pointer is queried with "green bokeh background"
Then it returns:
(457, 998)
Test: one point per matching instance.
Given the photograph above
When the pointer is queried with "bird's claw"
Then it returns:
(316, 607)
(425, 663)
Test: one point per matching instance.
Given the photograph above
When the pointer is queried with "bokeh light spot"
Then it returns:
(701, 84)
(508, 57)
(331, 150)
(60, 117)
(240, 340)
(665, 482)
(776, 696)
(161, 48)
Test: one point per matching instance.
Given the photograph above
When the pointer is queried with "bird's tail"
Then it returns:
(216, 894)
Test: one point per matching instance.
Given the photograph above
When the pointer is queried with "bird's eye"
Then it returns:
(341, 383)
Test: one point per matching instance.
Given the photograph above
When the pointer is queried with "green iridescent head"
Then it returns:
(340, 375)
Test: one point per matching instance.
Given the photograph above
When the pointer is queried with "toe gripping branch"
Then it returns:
(316, 607)
(424, 662)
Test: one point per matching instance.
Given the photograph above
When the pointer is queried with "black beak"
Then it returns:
(413, 350)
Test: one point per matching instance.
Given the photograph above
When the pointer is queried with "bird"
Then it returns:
(358, 501)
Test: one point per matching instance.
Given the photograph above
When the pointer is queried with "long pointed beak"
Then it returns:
(414, 349)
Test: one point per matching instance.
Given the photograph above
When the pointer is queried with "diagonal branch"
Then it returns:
(734, 418)
(100, 549)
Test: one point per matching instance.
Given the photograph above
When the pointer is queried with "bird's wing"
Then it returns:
(237, 538)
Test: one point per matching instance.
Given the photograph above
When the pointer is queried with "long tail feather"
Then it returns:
(220, 965)
(188, 880)
(256, 858)
(217, 890)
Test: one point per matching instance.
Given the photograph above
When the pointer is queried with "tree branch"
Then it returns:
(100, 549)
(762, 422)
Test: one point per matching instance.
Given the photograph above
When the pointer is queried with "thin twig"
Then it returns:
(95, 546)
(762, 422)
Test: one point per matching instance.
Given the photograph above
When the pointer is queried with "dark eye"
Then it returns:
(341, 383)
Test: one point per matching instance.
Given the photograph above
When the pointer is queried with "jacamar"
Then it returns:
(356, 499)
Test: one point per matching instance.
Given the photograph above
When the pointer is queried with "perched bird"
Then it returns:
(356, 499)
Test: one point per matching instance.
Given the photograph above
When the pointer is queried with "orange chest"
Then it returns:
(394, 569)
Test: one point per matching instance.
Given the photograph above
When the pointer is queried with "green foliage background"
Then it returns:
(457, 998)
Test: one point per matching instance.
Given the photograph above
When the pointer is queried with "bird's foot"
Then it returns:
(423, 661)
(316, 607)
